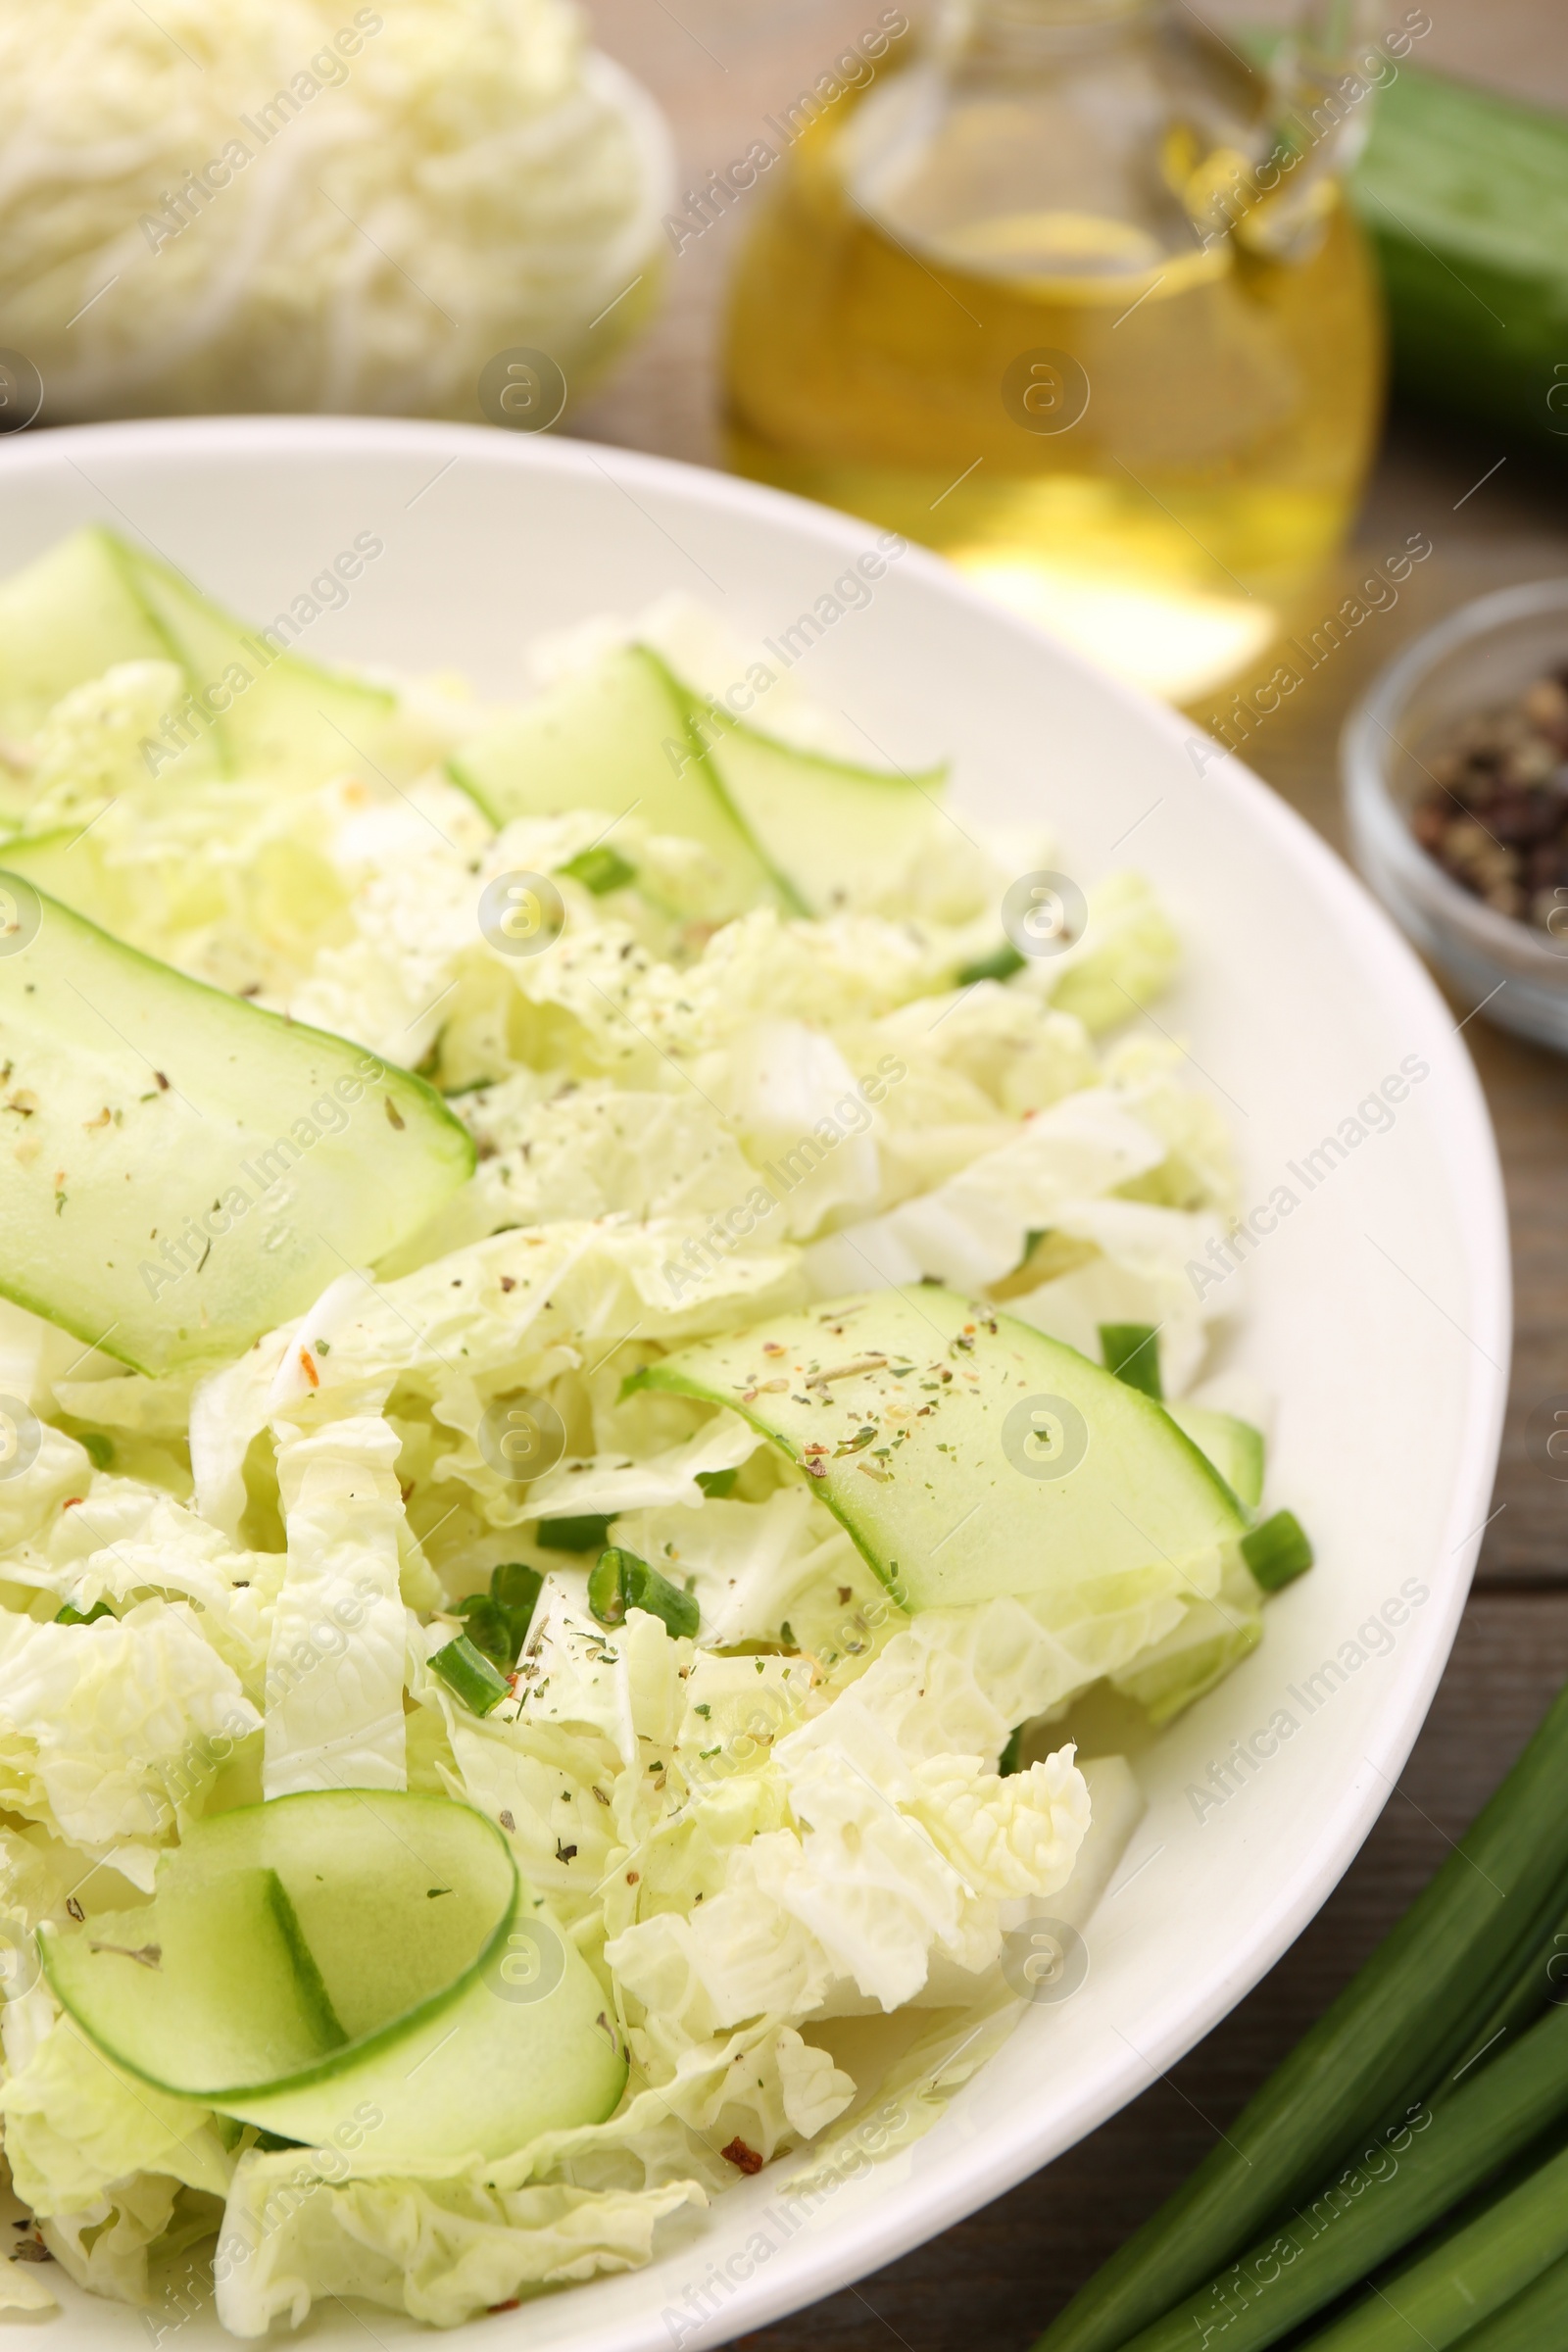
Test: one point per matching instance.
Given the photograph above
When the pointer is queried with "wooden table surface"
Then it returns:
(719, 66)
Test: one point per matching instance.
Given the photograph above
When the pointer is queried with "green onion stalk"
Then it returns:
(1406, 2180)
(1360, 2079)
(1506, 2269)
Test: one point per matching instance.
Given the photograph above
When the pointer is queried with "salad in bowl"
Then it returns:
(606, 1326)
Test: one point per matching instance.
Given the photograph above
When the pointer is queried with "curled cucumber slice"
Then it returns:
(196, 1171)
(967, 1454)
(345, 1954)
(1234, 1447)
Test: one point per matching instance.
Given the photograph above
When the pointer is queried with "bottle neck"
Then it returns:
(1002, 32)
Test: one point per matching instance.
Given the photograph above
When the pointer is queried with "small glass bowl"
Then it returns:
(1487, 652)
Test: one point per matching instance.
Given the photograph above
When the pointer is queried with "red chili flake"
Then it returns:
(632, 1876)
(744, 2159)
(311, 1373)
(509, 1282)
(73, 1908)
(163, 1082)
(512, 2303)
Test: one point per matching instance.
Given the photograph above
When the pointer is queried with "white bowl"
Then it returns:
(1377, 1309)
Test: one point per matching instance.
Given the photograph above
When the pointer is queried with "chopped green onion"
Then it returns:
(572, 1535)
(70, 1616)
(100, 1448)
(598, 869)
(1011, 1759)
(1480, 2272)
(620, 1581)
(470, 1677)
(1403, 2180)
(1424, 1992)
(516, 1588)
(1277, 1551)
(607, 1585)
(488, 1628)
(1000, 964)
(497, 1622)
(717, 1482)
(1132, 1351)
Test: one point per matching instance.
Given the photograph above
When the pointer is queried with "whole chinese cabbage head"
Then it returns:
(313, 205)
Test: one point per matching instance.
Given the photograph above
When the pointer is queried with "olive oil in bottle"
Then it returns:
(1075, 299)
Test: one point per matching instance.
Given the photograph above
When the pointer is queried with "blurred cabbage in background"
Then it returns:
(308, 205)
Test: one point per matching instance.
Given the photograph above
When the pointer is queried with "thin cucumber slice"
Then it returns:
(1234, 1447)
(527, 2045)
(966, 1455)
(618, 738)
(61, 863)
(343, 1948)
(186, 1171)
(310, 1986)
(271, 713)
(251, 704)
(202, 1991)
(834, 831)
(794, 827)
(67, 617)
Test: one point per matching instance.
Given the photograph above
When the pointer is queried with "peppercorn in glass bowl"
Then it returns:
(1456, 767)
